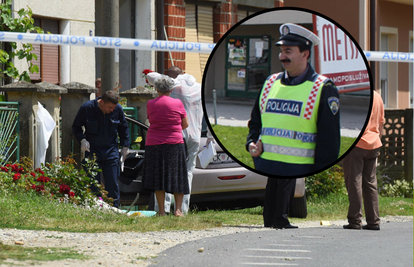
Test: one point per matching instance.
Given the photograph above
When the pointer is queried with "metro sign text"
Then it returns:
(334, 49)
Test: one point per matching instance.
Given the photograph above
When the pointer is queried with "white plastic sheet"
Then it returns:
(44, 128)
(207, 154)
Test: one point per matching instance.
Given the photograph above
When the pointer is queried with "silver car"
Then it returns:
(222, 184)
(224, 180)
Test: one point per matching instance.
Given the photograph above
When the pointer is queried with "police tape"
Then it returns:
(155, 45)
(106, 42)
(389, 56)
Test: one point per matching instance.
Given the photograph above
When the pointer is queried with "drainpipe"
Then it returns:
(109, 57)
(372, 26)
(160, 35)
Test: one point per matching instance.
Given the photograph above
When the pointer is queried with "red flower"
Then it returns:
(16, 176)
(33, 174)
(146, 71)
(40, 188)
(40, 171)
(16, 168)
(64, 189)
(4, 169)
(71, 194)
(43, 179)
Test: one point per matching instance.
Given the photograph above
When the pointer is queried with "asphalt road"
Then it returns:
(320, 246)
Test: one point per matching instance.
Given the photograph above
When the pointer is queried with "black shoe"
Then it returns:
(371, 227)
(352, 226)
(287, 226)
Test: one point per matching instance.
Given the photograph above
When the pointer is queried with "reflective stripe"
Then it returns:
(301, 136)
(289, 151)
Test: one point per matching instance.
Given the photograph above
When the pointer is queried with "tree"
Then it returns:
(23, 23)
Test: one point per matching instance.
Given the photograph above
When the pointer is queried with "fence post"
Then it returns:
(78, 93)
(28, 95)
(408, 164)
(138, 98)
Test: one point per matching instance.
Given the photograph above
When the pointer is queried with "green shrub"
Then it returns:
(324, 183)
(398, 188)
(393, 185)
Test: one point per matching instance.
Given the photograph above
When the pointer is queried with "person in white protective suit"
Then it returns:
(189, 92)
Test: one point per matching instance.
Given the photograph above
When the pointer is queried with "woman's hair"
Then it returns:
(164, 84)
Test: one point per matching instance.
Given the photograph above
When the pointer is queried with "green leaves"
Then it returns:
(23, 23)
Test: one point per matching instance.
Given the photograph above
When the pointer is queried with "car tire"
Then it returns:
(298, 208)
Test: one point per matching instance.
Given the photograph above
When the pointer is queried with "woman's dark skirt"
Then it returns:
(165, 168)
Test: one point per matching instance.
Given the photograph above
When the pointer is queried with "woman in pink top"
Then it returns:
(165, 166)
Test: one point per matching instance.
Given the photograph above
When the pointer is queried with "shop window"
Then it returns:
(247, 65)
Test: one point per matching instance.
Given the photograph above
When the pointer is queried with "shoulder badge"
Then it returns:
(333, 103)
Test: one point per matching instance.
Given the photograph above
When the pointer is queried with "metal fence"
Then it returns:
(396, 159)
(9, 132)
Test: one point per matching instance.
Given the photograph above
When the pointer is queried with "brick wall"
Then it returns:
(279, 3)
(224, 17)
(174, 21)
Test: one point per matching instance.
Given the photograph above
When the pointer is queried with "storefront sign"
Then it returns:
(339, 58)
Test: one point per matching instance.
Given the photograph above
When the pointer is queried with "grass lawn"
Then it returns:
(34, 255)
(30, 211)
(34, 212)
(234, 139)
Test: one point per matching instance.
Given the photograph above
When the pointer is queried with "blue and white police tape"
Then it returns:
(155, 45)
(106, 42)
(389, 56)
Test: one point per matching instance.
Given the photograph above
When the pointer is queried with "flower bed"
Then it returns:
(60, 180)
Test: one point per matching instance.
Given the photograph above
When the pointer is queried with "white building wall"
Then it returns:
(77, 10)
(82, 62)
(145, 29)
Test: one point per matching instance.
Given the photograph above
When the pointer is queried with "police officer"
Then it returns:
(294, 127)
(104, 119)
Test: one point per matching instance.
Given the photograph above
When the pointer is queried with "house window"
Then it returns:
(47, 55)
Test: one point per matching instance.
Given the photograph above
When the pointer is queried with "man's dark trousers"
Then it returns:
(278, 194)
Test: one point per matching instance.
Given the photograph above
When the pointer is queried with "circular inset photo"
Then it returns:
(287, 92)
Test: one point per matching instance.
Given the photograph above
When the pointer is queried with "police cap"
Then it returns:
(295, 35)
